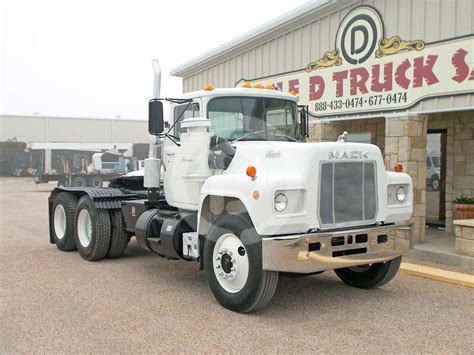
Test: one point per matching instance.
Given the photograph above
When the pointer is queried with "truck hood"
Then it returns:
(296, 158)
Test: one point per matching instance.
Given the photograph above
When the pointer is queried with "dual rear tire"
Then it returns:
(95, 233)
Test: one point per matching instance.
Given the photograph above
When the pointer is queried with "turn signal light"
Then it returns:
(247, 85)
(209, 87)
(398, 168)
(251, 171)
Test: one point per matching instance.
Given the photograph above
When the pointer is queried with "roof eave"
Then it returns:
(271, 29)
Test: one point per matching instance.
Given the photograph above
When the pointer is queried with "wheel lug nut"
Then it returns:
(233, 261)
(218, 258)
(232, 269)
(221, 273)
(218, 266)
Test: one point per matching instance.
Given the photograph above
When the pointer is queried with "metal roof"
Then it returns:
(262, 33)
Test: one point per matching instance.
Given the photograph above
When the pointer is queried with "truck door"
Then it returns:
(180, 192)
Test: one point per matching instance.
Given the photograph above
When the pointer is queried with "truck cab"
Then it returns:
(238, 189)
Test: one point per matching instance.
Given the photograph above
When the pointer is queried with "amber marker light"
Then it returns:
(209, 87)
(292, 92)
(256, 195)
(247, 85)
(258, 86)
(269, 87)
(398, 168)
(252, 172)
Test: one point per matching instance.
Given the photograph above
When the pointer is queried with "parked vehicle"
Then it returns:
(433, 170)
(246, 198)
(83, 168)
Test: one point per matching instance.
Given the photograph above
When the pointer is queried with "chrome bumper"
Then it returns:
(313, 252)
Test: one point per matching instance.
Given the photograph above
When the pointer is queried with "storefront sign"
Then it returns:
(369, 72)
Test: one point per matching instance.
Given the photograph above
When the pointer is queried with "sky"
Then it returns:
(93, 58)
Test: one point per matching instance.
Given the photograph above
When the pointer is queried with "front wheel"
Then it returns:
(434, 182)
(370, 276)
(232, 260)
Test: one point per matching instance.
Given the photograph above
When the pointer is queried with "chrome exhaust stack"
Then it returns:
(153, 163)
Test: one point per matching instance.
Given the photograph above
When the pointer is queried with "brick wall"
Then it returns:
(327, 132)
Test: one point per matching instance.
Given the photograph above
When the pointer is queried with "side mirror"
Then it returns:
(155, 117)
(304, 129)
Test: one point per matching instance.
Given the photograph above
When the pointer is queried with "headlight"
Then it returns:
(401, 194)
(280, 202)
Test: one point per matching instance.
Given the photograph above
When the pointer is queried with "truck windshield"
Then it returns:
(253, 118)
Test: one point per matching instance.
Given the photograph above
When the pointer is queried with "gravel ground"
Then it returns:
(52, 301)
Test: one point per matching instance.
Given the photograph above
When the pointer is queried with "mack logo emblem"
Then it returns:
(273, 154)
(353, 154)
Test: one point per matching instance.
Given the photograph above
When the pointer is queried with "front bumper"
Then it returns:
(313, 252)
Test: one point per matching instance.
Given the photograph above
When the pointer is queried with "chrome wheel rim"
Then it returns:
(230, 263)
(84, 228)
(59, 221)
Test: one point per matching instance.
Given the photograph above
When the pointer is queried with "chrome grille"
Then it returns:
(347, 193)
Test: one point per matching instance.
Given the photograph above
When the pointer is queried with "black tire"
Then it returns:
(68, 202)
(79, 181)
(260, 285)
(99, 242)
(434, 182)
(96, 181)
(119, 239)
(375, 275)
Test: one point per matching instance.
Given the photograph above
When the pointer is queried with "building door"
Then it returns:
(436, 178)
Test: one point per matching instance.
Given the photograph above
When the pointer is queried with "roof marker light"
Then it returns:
(246, 85)
(398, 168)
(269, 87)
(258, 86)
(209, 87)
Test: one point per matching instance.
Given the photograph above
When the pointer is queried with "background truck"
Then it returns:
(246, 198)
(81, 168)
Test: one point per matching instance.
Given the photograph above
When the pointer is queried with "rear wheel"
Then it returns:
(119, 239)
(63, 211)
(370, 276)
(93, 230)
(233, 265)
(96, 181)
(79, 181)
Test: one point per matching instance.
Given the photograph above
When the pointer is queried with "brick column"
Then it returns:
(405, 143)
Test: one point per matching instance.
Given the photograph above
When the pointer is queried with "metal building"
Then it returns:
(32, 143)
(398, 74)
(72, 129)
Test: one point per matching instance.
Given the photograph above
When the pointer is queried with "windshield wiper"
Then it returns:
(248, 134)
(283, 136)
(269, 133)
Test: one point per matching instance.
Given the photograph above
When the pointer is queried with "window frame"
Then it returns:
(177, 126)
(296, 135)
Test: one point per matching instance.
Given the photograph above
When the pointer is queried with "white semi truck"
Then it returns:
(246, 198)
